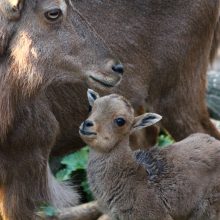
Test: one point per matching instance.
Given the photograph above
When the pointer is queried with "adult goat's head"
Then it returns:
(47, 40)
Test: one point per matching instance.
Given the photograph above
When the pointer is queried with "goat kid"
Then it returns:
(180, 181)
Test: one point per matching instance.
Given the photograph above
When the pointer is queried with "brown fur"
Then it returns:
(41, 64)
(46, 68)
(165, 47)
(179, 182)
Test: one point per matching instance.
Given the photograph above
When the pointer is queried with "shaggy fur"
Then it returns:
(179, 182)
(46, 67)
(165, 47)
(41, 65)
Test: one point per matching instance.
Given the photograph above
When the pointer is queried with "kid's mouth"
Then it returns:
(86, 133)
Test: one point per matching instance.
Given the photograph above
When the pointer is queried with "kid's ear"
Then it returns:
(92, 96)
(145, 120)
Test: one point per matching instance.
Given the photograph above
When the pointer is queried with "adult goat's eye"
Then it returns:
(120, 121)
(53, 14)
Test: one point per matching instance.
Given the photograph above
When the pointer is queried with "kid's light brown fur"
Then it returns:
(179, 182)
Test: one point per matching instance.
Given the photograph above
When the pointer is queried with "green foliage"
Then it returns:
(73, 162)
(86, 189)
(48, 211)
(164, 140)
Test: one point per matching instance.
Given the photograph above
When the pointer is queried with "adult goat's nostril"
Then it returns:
(88, 123)
(118, 68)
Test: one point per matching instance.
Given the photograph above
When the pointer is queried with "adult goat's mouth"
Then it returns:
(103, 80)
(104, 83)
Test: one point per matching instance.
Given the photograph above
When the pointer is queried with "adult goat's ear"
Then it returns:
(11, 9)
(92, 96)
(145, 120)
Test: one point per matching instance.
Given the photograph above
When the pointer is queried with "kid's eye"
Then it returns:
(120, 121)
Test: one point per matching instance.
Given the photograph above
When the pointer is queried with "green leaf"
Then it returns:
(164, 140)
(73, 162)
(48, 210)
(64, 174)
(86, 189)
(77, 160)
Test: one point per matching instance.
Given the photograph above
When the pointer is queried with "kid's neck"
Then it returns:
(120, 157)
(121, 149)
